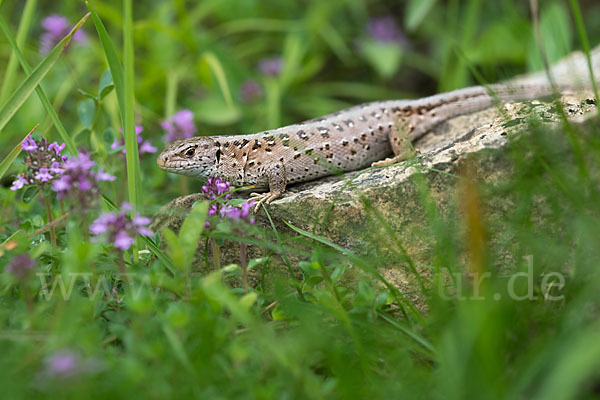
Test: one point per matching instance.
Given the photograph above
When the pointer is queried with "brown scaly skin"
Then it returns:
(344, 141)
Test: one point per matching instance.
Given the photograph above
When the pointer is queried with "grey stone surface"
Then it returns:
(337, 207)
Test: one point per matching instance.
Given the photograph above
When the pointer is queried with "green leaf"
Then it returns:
(248, 300)
(108, 135)
(416, 11)
(30, 193)
(365, 291)
(256, 261)
(176, 252)
(85, 112)
(190, 232)
(385, 58)
(105, 83)
(337, 273)
(278, 314)
(87, 94)
(32, 81)
(105, 91)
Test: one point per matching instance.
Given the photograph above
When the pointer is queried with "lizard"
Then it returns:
(371, 134)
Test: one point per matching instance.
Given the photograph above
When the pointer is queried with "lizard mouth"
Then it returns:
(173, 165)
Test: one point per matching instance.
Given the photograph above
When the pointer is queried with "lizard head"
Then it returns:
(197, 157)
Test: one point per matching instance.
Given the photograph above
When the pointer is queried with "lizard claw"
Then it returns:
(388, 161)
(261, 198)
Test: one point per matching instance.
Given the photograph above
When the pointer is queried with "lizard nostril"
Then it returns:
(161, 160)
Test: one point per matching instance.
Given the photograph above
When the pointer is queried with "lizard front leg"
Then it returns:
(277, 183)
(399, 137)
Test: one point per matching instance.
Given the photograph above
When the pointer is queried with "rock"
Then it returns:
(379, 213)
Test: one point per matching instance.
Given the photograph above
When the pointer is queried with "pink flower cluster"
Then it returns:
(119, 228)
(44, 163)
(179, 126)
(144, 146)
(216, 190)
(55, 28)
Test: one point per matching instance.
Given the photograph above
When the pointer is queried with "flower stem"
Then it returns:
(121, 258)
(216, 253)
(244, 264)
(28, 298)
(50, 220)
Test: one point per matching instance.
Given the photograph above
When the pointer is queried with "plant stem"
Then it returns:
(28, 298)
(244, 264)
(122, 263)
(216, 253)
(50, 220)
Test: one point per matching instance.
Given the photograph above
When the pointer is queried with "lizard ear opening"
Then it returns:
(218, 155)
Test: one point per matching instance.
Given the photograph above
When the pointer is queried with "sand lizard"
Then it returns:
(347, 140)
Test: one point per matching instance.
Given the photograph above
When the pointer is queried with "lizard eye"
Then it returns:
(218, 155)
(190, 152)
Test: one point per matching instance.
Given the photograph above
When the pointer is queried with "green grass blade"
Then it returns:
(132, 158)
(123, 80)
(28, 86)
(584, 43)
(12, 156)
(217, 69)
(40, 92)
(113, 60)
(131, 147)
(11, 68)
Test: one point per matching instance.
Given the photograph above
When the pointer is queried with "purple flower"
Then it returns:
(179, 126)
(250, 90)
(140, 225)
(146, 146)
(61, 184)
(81, 161)
(56, 147)
(79, 182)
(104, 176)
(55, 28)
(62, 364)
(29, 144)
(101, 224)
(123, 241)
(20, 266)
(270, 66)
(238, 214)
(55, 168)
(214, 188)
(84, 184)
(119, 228)
(43, 161)
(43, 175)
(18, 183)
(384, 29)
